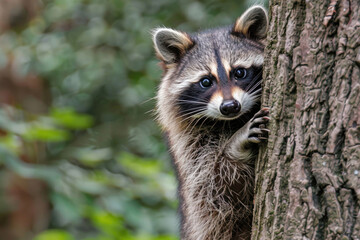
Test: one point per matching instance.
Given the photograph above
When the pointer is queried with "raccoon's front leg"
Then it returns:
(244, 143)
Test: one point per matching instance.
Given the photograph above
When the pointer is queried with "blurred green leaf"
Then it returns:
(11, 142)
(110, 225)
(67, 117)
(140, 166)
(54, 235)
(92, 157)
(12, 162)
(47, 134)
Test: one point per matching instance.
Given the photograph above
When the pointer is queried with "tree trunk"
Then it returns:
(308, 176)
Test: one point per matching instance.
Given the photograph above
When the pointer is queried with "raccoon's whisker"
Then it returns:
(187, 118)
(152, 112)
(194, 111)
(185, 132)
(257, 96)
(191, 125)
(254, 93)
(148, 100)
(188, 126)
(204, 121)
(189, 101)
(215, 122)
(191, 98)
(195, 125)
(190, 114)
(255, 86)
(256, 90)
(254, 80)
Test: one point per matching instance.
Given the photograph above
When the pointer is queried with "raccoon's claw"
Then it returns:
(258, 135)
(262, 113)
(257, 130)
(253, 133)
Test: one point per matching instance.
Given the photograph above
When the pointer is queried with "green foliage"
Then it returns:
(67, 117)
(46, 134)
(139, 166)
(54, 235)
(97, 147)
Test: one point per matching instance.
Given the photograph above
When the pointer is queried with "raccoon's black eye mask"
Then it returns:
(246, 77)
(195, 98)
(242, 77)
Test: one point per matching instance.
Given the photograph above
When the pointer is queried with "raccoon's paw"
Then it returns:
(257, 130)
(242, 145)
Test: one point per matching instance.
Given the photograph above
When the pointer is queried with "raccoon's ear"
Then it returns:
(252, 24)
(170, 44)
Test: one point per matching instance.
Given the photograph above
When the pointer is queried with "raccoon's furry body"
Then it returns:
(208, 106)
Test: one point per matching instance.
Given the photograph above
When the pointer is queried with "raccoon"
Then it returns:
(208, 105)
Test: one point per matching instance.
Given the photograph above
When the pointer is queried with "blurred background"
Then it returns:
(81, 156)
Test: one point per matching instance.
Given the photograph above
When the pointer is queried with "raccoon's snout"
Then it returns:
(230, 108)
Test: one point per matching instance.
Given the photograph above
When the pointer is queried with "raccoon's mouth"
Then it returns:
(229, 117)
(217, 115)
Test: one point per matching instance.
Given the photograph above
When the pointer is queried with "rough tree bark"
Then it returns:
(308, 176)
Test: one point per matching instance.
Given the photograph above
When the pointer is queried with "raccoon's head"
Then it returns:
(215, 74)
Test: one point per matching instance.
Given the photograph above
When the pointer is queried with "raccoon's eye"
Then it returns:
(240, 73)
(205, 82)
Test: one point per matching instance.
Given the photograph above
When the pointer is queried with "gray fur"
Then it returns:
(214, 162)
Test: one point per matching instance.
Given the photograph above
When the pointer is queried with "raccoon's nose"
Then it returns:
(230, 107)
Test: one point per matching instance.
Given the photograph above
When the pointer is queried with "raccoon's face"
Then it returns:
(226, 84)
(214, 74)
